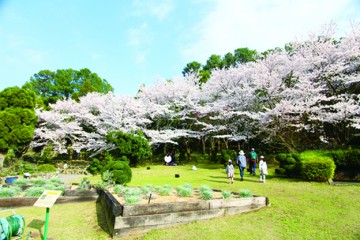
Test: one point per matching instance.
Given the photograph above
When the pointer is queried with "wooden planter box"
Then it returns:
(122, 220)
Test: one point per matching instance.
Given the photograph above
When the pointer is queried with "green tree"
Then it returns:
(17, 120)
(65, 84)
(133, 146)
(244, 55)
(193, 67)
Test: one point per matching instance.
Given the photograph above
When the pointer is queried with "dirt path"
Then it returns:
(65, 178)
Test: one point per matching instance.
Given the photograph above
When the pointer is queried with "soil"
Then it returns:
(173, 197)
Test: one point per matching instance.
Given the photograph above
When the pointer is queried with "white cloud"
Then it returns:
(158, 9)
(138, 36)
(261, 24)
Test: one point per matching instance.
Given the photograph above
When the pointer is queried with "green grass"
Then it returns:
(299, 209)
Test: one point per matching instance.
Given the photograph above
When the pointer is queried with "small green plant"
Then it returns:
(206, 193)
(146, 189)
(132, 195)
(84, 184)
(164, 190)
(185, 190)
(34, 191)
(39, 182)
(107, 177)
(6, 192)
(245, 193)
(118, 188)
(21, 182)
(226, 194)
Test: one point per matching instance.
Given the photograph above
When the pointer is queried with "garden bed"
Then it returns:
(126, 219)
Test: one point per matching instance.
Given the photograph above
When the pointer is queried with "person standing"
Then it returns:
(241, 162)
(230, 171)
(253, 160)
(263, 169)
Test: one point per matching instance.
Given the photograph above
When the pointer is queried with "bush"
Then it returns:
(206, 193)
(34, 191)
(95, 167)
(21, 182)
(46, 168)
(164, 190)
(121, 172)
(289, 164)
(185, 190)
(132, 195)
(226, 194)
(346, 159)
(245, 193)
(318, 169)
(118, 189)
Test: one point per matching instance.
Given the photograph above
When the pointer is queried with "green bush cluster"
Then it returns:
(346, 159)
(132, 195)
(164, 190)
(46, 168)
(317, 169)
(120, 171)
(289, 164)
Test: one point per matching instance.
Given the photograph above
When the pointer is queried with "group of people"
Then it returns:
(241, 162)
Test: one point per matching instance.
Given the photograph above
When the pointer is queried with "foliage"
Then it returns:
(146, 189)
(318, 168)
(21, 182)
(346, 159)
(132, 195)
(84, 184)
(289, 164)
(226, 194)
(131, 146)
(164, 190)
(66, 83)
(107, 177)
(227, 154)
(185, 190)
(95, 166)
(206, 193)
(6, 192)
(244, 193)
(46, 168)
(35, 191)
(17, 119)
(118, 188)
(121, 172)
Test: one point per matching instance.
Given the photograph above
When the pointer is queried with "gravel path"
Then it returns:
(69, 177)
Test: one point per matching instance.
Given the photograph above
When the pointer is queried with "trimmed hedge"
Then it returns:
(346, 159)
(317, 169)
(121, 172)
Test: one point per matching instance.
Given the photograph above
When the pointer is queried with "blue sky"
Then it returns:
(130, 43)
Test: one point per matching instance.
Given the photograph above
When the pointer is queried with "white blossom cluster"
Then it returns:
(303, 87)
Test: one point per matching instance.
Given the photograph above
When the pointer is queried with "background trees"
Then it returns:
(66, 83)
(17, 120)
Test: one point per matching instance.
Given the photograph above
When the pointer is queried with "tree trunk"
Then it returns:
(2, 158)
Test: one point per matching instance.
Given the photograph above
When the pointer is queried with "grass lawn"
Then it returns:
(299, 210)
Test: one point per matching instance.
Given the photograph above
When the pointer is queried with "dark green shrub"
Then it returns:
(318, 169)
(95, 167)
(121, 172)
(346, 159)
(289, 164)
(46, 168)
(281, 157)
(280, 171)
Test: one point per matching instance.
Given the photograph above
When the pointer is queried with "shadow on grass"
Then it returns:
(37, 224)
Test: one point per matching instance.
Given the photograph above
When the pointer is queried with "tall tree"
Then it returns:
(17, 120)
(65, 84)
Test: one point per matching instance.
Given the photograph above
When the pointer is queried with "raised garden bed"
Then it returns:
(123, 220)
